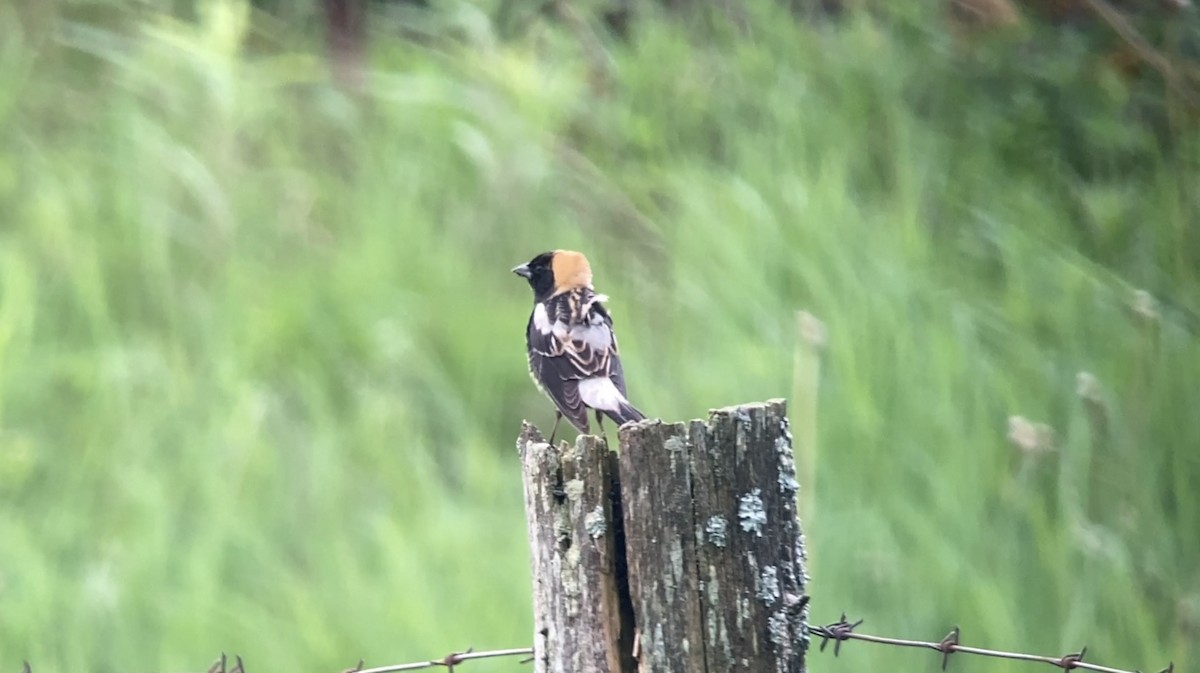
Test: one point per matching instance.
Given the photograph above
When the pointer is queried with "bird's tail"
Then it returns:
(625, 413)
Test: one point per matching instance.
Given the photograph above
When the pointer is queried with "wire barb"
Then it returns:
(838, 631)
(1069, 661)
(948, 645)
(454, 658)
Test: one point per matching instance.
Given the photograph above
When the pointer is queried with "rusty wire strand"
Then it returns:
(842, 630)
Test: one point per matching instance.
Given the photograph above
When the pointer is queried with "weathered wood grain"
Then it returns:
(574, 539)
(660, 544)
(751, 553)
(685, 554)
(714, 548)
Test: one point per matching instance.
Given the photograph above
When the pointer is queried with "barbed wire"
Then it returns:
(838, 632)
(449, 661)
(843, 630)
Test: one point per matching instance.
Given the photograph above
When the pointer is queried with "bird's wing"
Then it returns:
(616, 372)
(570, 339)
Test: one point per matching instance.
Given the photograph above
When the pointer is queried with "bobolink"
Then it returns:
(572, 349)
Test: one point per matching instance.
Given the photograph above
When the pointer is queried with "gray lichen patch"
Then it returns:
(768, 585)
(801, 555)
(785, 429)
(677, 450)
(751, 513)
(594, 522)
(715, 530)
(794, 608)
(800, 617)
(787, 482)
(783, 444)
(573, 489)
(787, 465)
(778, 629)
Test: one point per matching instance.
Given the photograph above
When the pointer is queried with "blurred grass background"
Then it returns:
(261, 356)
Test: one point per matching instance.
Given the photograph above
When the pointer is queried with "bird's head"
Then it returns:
(552, 273)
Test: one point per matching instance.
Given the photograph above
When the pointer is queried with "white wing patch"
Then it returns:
(600, 393)
(597, 337)
(541, 321)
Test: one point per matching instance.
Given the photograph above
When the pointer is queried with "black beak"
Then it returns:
(522, 271)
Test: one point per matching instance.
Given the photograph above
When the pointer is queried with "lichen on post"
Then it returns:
(574, 533)
(715, 552)
(685, 554)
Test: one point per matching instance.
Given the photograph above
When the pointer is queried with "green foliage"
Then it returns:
(261, 358)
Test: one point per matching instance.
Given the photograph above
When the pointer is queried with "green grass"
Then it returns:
(261, 364)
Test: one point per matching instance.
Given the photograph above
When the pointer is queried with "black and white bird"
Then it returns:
(572, 349)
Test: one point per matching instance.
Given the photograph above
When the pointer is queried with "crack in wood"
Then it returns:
(683, 553)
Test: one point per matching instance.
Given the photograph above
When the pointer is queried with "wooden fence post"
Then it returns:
(578, 572)
(684, 554)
